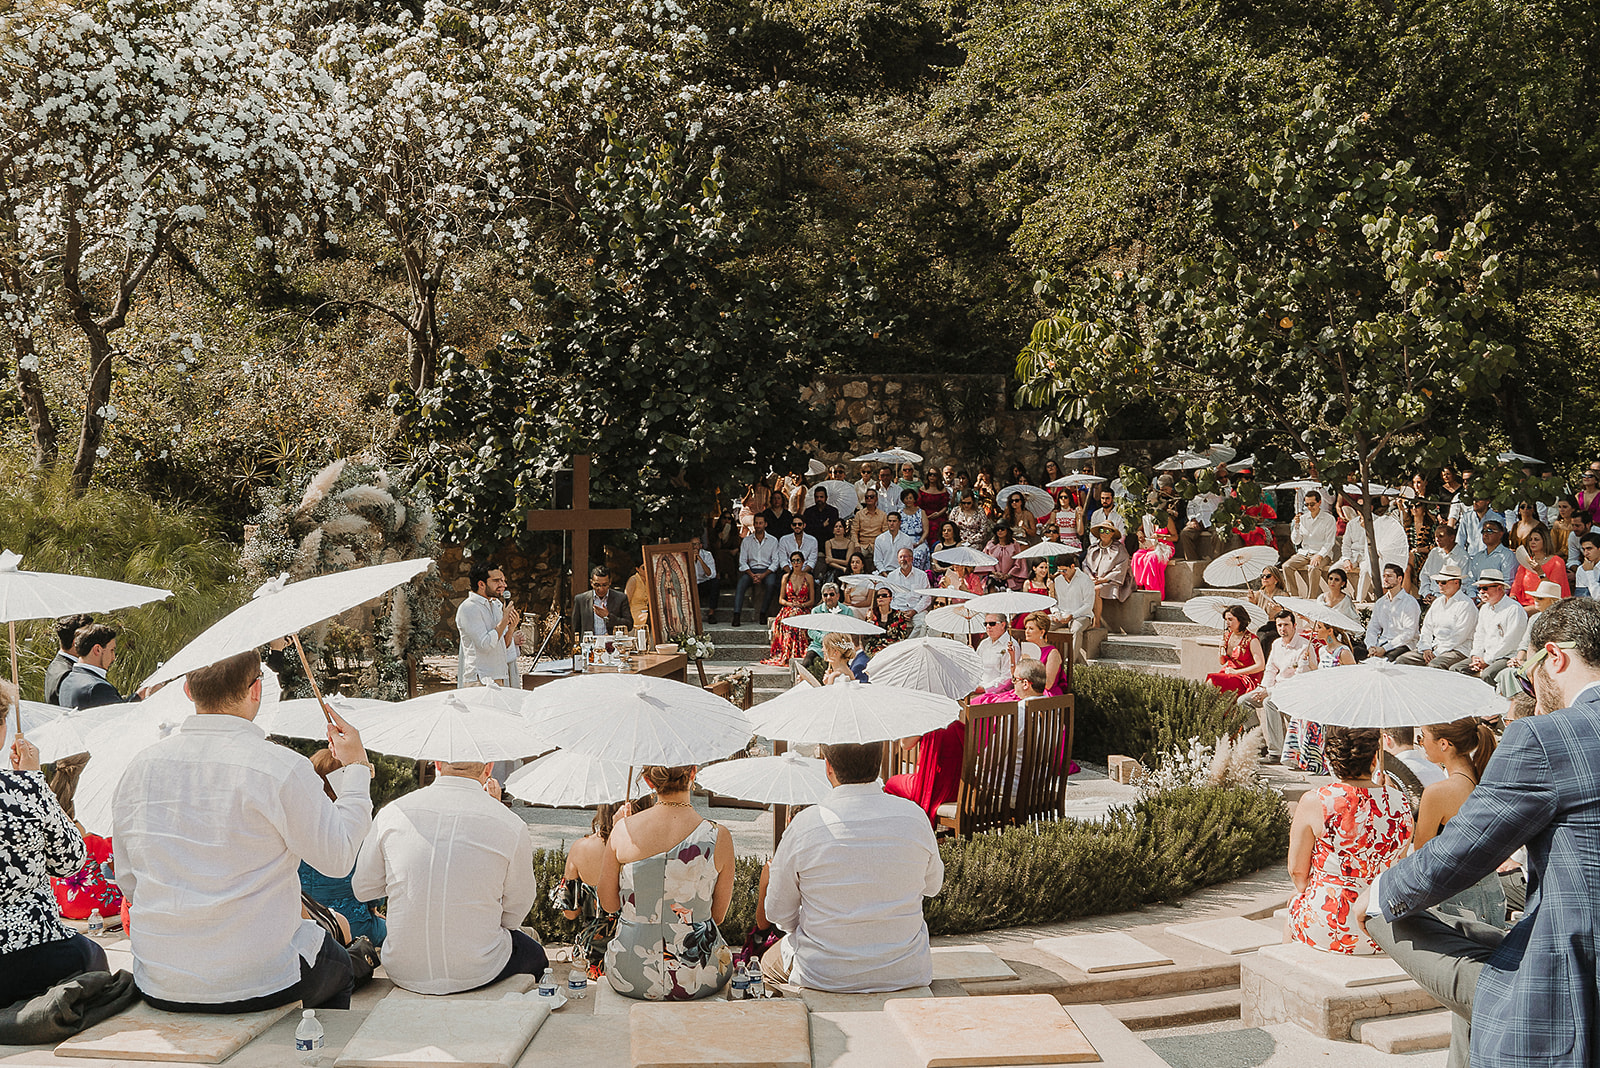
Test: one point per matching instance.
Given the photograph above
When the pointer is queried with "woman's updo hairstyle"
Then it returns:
(668, 780)
(1351, 750)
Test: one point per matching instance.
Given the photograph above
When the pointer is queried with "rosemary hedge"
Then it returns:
(1143, 716)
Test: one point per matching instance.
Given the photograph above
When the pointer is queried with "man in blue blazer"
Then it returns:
(1530, 993)
(86, 685)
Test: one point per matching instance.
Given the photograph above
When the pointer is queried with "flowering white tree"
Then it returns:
(124, 126)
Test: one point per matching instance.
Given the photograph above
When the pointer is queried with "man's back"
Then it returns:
(457, 868)
(848, 883)
(209, 827)
(82, 687)
(53, 675)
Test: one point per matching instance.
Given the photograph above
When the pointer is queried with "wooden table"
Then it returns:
(673, 666)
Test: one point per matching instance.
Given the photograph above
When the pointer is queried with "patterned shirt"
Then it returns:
(37, 840)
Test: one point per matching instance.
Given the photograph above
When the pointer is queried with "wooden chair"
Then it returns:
(1047, 724)
(986, 798)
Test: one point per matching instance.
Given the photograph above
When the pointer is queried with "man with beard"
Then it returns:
(1528, 995)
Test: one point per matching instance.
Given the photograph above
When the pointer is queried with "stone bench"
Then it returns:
(1326, 993)
(1128, 617)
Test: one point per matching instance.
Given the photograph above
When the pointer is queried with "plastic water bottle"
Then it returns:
(755, 988)
(97, 924)
(308, 1038)
(547, 984)
(740, 990)
(578, 980)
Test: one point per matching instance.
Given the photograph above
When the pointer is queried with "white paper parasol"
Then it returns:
(833, 623)
(36, 717)
(1010, 603)
(1089, 452)
(1377, 489)
(966, 556)
(565, 779)
(1219, 453)
(281, 608)
(302, 717)
(787, 779)
(951, 593)
(842, 495)
(470, 724)
(1237, 567)
(1034, 499)
(895, 455)
(851, 711)
(1520, 458)
(1077, 479)
(1376, 693)
(1393, 546)
(938, 665)
(636, 719)
(1316, 612)
(1045, 549)
(1208, 610)
(1297, 485)
(1183, 461)
(955, 619)
(45, 595)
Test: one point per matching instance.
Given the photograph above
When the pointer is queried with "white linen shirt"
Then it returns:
(484, 654)
(1288, 656)
(905, 601)
(705, 566)
(1075, 598)
(457, 868)
(1114, 517)
(1449, 625)
(806, 546)
(209, 826)
(1315, 535)
(758, 555)
(1500, 630)
(998, 657)
(1202, 507)
(1426, 771)
(847, 883)
(886, 550)
(1436, 560)
(1395, 621)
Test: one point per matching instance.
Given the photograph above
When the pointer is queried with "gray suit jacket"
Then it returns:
(616, 607)
(54, 674)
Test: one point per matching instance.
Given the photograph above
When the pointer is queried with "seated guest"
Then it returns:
(668, 873)
(1494, 554)
(844, 660)
(1074, 593)
(1266, 599)
(1107, 512)
(896, 625)
(758, 568)
(1024, 526)
(886, 547)
(1342, 835)
(1501, 626)
(333, 892)
(705, 579)
(86, 685)
(798, 541)
(914, 525)
(209, 826)
(830, 605)
(1586, 575)
(37, 950)
(601, 609)
(969, 519)
(1314, 533)
(998, 654)
(1110, 568)
(847, 883)
(66, 629)
(1052, 681)
(1039, 568)
(836, 553)
(1461, 749)
(1240, 658)
(1536, 565)
(949, 538)
(1396, 621)
(857, 595)
(820, 517)
(1290, 654)
(457, 868)
(1445, 550)
(638, 594)
(1402, 742)
(1150, 562)
(868, 522)
(936, 778)
(908, 580)
(797, 592)
(1449, 626)
(1337, 595)
(579, 897)
(1007, 571)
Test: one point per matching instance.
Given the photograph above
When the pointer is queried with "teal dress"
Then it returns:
(667, 947)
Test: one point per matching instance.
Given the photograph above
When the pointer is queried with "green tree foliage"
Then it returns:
(675, 364)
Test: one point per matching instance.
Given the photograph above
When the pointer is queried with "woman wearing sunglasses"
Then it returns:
(896, 624)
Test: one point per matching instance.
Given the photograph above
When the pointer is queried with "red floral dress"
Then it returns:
(788, 642)
(1364, 830)
(91, 886)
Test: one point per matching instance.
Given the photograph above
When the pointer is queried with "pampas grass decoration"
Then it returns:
(368, 501)
(346, 526)
(309, 556)
(319, 485)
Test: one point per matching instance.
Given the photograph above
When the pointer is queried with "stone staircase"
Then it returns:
(744, 646)
(1155, 636)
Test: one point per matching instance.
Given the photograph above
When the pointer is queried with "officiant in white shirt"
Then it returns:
(488, 629)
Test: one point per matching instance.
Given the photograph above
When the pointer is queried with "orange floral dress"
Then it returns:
(1363, 832)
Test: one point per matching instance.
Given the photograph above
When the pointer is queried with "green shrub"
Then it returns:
(1142, 716)
(1163, 847)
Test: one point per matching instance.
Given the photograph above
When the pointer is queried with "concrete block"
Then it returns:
(1273, 990)
(1123, 769)
(1091, 953)
(968, 1033)
(145, 1033)
(1410, 1033)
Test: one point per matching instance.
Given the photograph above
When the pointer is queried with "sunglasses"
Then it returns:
(996, 623)
(1525, 672)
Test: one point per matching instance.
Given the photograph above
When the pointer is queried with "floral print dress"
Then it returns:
(1364, 830)
(1303, 740)
(667, 947)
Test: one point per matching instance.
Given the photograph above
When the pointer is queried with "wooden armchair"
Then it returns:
(1047, 724)
(987, 797)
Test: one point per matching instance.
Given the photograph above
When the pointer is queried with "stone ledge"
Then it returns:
(1408, 1033)
(1277, 991)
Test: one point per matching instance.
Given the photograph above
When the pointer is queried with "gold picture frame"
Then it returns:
(673, 593)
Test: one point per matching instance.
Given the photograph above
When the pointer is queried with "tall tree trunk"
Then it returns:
(97, 396)
(422, 344)
(31, 390)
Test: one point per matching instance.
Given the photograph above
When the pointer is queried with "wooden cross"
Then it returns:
(582, 521)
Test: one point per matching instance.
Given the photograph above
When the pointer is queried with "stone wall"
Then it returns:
(966, 420)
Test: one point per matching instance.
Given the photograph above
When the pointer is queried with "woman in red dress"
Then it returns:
(1241, 659)
(795, 596)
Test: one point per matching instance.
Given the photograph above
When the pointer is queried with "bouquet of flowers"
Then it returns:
(696, 646)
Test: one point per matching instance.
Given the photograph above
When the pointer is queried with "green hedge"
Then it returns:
(1143, 716)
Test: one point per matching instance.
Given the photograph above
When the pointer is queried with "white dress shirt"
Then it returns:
(1075, 598)
(1586, 581)
(806, 546)
(1396, 621)
(1426, 771)
(1353, 547)
(1114, 517)
(1315, 535)
(210, 825)
(1500, 630)
(1285, 660)
(759, 554)
(705, 566)
(1203, 506)
(1449, 625)
(484, 654)
(886, 550)
(847, 883)
(1436, 560)
(457, 868)
(998, 658)
(905, 601)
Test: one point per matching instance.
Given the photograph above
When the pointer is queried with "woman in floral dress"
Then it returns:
(669, 875)
(969, 519)
(1303, 740)
(1342, 836)
(796, 594)
(896, 624)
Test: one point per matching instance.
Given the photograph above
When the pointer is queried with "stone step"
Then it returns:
(1146, 666)
(1236, 592)
(1147, 647)
(1177, 1010)
(1170, 612)
(1184, 628)
(1411, 1032)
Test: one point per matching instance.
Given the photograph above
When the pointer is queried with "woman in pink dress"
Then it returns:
(1536, 567)
(1008, 572)
(1150, 562)
(1342, 836)
(1240, 658)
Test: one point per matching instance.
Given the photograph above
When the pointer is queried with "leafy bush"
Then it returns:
(1142, 716)
(1163, 847)
(122, 535)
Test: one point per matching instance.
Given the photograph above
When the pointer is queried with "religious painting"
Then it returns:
(674, 597)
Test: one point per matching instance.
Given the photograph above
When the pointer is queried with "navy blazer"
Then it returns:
(1535, 1002)
(82, 688)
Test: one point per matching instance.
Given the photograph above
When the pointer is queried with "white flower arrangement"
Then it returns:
(696, 646)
